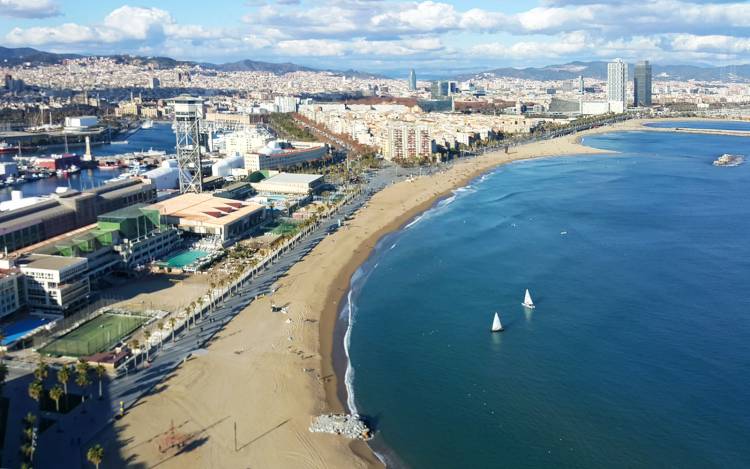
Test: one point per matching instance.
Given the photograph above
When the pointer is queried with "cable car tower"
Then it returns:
(188, 112)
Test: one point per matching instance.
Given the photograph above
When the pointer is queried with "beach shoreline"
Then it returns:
(272, 373)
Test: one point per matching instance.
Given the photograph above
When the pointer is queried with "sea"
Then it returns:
(158, 137)
(638, 352)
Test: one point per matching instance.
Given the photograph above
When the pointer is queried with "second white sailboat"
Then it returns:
(527, 303)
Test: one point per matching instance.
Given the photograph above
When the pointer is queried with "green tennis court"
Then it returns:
(94, 336)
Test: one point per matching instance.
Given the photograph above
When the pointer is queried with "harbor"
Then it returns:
(147, 146)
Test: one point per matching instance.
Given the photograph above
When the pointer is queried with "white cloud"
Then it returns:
(380, 30)
(28, 8)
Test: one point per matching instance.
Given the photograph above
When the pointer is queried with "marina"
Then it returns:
(148, 147)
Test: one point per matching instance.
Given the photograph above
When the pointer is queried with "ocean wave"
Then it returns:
(447, 201)
(349, 374)
(414, 222)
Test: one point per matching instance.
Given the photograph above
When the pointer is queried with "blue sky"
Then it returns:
(389, 35)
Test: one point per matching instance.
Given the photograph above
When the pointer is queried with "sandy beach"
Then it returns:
(269, 376)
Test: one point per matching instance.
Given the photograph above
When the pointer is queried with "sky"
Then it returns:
(389, 35)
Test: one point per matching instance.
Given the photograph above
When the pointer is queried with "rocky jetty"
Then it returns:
(350, 426)
(729, 160)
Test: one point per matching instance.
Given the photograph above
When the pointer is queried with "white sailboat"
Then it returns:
(496, 326)
(527, 303)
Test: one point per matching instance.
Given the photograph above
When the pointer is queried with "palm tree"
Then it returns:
(56, 393)
(35, 390)
(41, 370)
(29, 419)
(95, 454)
(100, 372)
(211, 292)
(172, 322)
(187, 317)
(147, 336)
(160, 325)
(192, 312)
(134, 345)
(63, 376)
(3, 373)
(82, 380)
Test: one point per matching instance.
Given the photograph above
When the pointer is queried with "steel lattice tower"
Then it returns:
(188, 112)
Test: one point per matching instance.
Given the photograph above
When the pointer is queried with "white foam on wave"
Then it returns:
(414, 222)
(447, 201)
(349, 374)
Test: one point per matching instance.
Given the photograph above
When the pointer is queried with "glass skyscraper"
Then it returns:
(642, 84)
(412, 80)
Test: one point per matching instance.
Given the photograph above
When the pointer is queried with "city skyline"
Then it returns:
(384, 36)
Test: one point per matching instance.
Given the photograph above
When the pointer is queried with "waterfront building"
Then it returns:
(287, 183)
(153, 83)
(412, 80)
(642, 84)
(10, 292)
(68, 211)
(279, 154)
(617, 79)
(403, 141)
(206, 215)
(76, 124)
(54, 284)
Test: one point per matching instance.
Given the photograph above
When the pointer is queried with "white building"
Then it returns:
(10, 299)
(617, 82)
(246, 141)
(287, 183)
(279, 155)
(286, 103)
(55, 284)
(8, 169)
(80, 123)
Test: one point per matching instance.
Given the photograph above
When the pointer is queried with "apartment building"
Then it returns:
(55, 284)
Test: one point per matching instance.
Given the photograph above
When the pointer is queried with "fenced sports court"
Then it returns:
(96, 335)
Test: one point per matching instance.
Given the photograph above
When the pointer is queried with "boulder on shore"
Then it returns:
(348, 425)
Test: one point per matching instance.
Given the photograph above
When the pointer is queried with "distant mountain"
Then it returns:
(19, 56)
(599, 70)
(255, 66)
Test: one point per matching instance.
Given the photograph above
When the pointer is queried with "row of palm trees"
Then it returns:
(36, 390)
(82, 370)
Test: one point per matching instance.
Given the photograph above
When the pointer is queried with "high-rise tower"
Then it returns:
(412, 80)
(188, 112)
(617, 79)
(642, 84)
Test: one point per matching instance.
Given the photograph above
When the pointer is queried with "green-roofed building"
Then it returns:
(131, 222)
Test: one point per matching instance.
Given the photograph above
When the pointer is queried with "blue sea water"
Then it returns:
(159, 137)
(638, 353)
(717, 124)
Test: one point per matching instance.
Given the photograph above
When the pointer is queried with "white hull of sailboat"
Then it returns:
(530, 306)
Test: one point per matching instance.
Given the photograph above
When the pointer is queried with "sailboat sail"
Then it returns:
(527, 300)
(496, 326)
